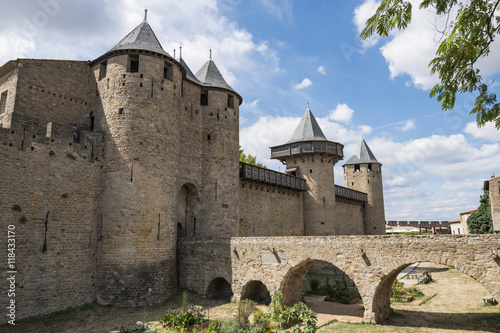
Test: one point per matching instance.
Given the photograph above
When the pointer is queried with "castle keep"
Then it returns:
(99, 207)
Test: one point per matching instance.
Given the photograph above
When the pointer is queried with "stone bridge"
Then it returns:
(280, 263)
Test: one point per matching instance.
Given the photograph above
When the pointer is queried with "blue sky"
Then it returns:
(282, 54)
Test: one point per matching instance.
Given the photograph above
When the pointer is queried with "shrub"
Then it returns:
(64, 195)
(16, 208)
(400, 293)
(184, 320)
(245, 308)
(70, 156)
(214, 326)
(276, 305)
(261, 322)
(23, 219)
(230, 326)
(340, 290)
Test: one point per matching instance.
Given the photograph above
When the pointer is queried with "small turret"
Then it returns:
(308, 154)
(362, 172)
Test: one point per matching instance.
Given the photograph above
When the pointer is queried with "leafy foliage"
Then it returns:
(249, 159)
(184, 319)
(245, 308)
(480, 222)
(314, 283)
(276, 305)
(400, 293)
(472, 32)
(340, 290)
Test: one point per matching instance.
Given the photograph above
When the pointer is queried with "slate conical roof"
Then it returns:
(209, 75)
(363, 155)
(308, 129)
(189, 73)
(141, 38)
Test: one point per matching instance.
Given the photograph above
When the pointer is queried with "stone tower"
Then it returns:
(362, 172)
(309, 155)
(137, 103)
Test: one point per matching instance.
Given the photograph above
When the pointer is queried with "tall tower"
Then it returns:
(308, 154)
(220, 167)
(137, 102)
(362, 172)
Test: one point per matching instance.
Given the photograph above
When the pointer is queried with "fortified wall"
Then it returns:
(119, 175)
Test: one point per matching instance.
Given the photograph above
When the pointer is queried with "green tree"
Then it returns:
(249, 159)
(472, 32)
(480, 222)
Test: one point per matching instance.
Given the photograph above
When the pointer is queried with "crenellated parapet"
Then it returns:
(27, 134)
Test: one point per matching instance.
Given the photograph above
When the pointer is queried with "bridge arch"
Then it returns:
(256, 291)
(381, 298)
(291, 285)
(219, 288)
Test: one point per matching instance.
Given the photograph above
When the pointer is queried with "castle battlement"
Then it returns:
(27, 134)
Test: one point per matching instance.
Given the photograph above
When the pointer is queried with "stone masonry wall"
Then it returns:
(494, 191)
(50, 195)
(53, 90)
(8, 84)
(349, 218)
(267, 210)
(201, 260)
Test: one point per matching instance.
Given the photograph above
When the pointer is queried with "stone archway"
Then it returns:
(219, 288)
(291, 285)
(256, 291)
(188, 203)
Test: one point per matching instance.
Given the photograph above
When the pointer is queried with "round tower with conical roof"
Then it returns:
(309, 155)
(137, 104)
(362, 172)
(219, 104)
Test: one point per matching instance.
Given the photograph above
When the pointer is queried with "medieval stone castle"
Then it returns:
(107, 164)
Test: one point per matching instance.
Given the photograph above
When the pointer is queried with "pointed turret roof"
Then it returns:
(141, 38)
(189, 73)
(209, 75)
(308, 129)
(363, 155)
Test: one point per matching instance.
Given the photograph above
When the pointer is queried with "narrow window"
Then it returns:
(369, 167)
(356, 168)
(230, 101)
(204, 97)
(3, 102)
(102, 70)
(168, 71)
(133, 63)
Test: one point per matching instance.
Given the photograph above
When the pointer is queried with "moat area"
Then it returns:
(456, 307)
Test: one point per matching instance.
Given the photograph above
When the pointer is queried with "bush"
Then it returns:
(184, 320)
(340, 290)
(276, 305)
(214, 326)
(400, 293)
(245, 308)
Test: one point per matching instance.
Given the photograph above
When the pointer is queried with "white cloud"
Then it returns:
(409, 51)
(361, 14)
(65, 33)
(304, 84)
(487, 132)
(342, 113)
(281, 9)
(321, 70)
(408, 125)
